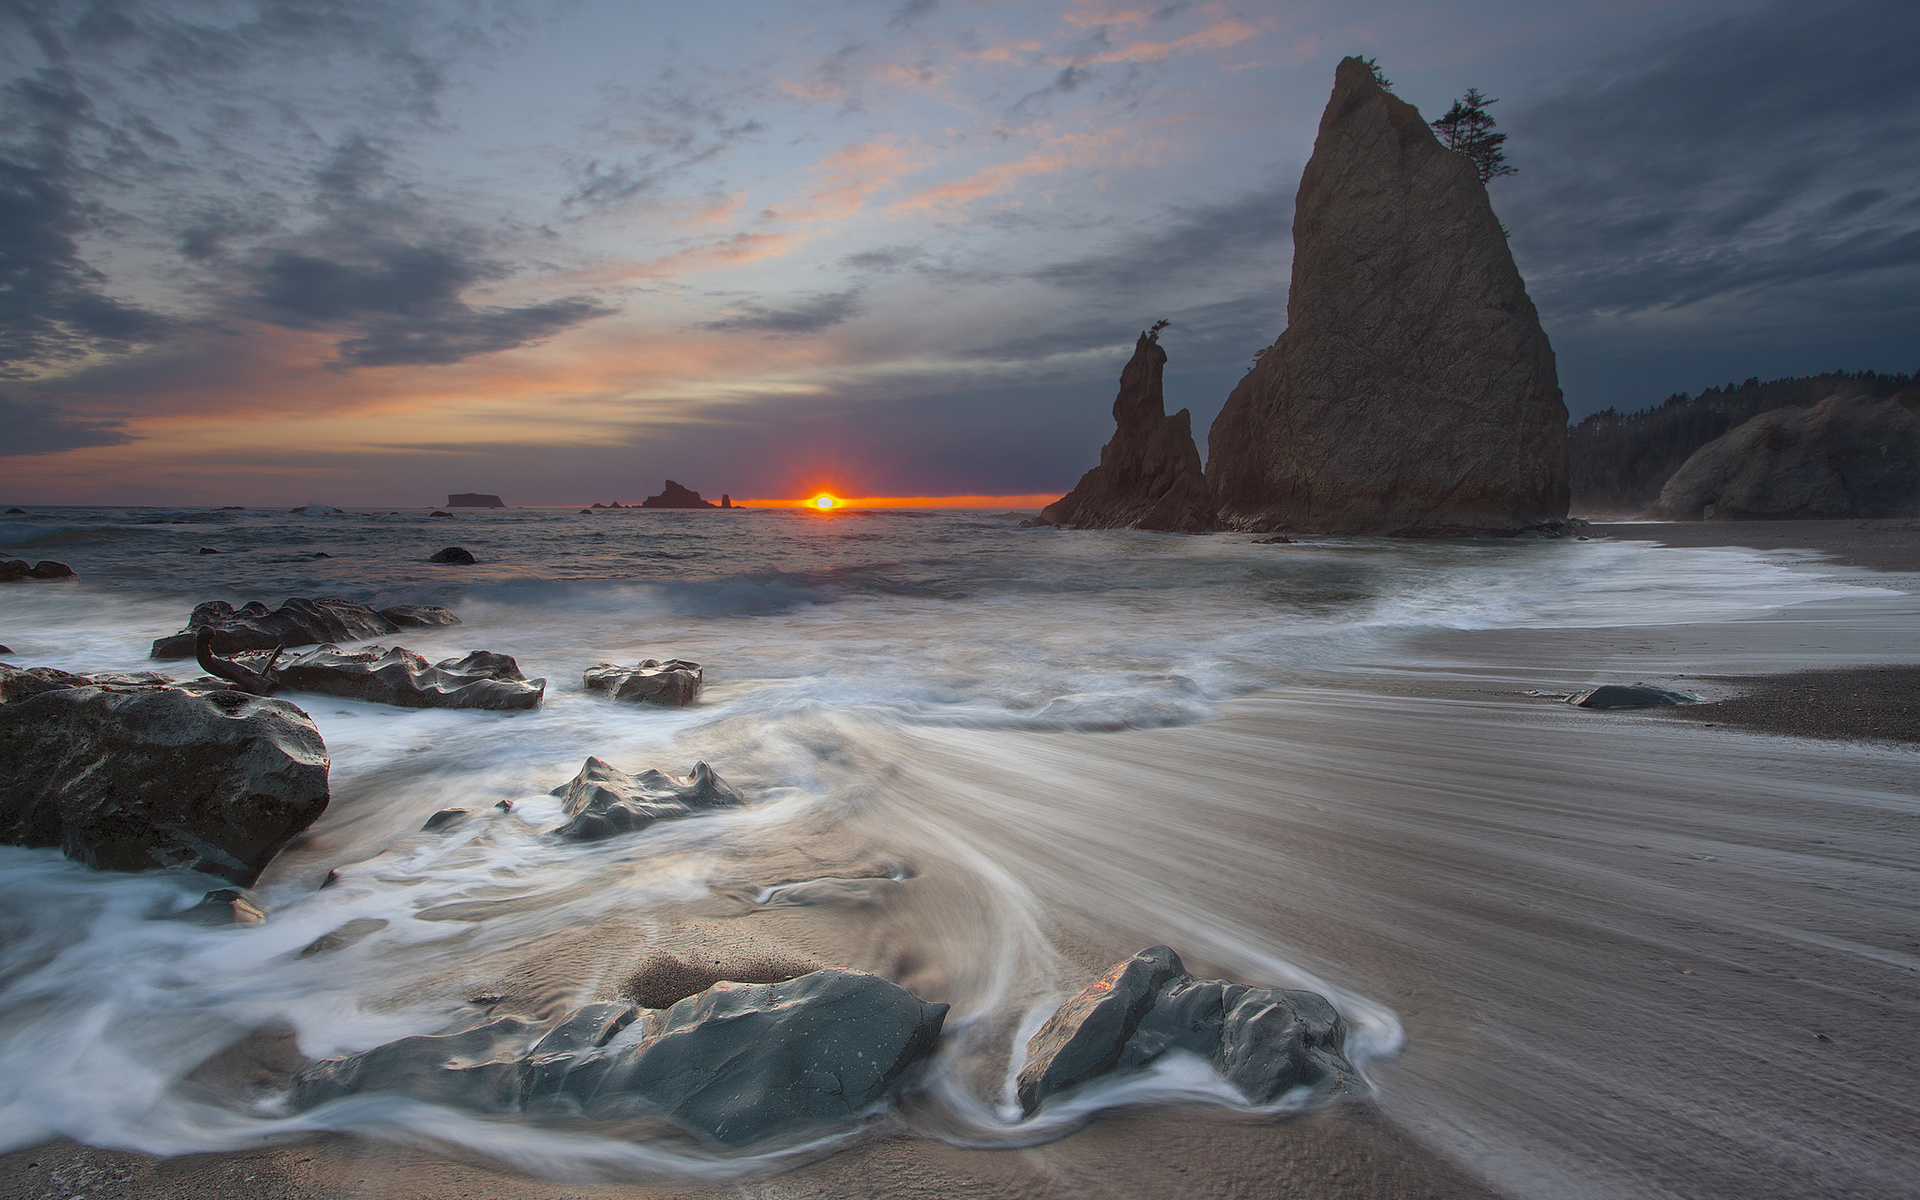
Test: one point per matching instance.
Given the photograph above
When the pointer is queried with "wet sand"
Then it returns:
(1634, 955)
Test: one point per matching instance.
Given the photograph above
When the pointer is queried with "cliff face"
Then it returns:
(1413, 391)
(1149, 475)
(1844, 457)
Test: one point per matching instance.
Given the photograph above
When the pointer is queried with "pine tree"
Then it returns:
(1468, 129)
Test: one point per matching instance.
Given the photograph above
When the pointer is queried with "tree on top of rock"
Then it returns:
(1468, 129)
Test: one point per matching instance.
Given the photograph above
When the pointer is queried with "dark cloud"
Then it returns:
(390, 279)
(884, 258)
(52, 303)
(910, 12)
(1753, 153)
(42, 428)
(805, 316)
(1188, 244)
(676, 126)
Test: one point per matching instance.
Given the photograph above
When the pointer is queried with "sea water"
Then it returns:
(835, 645)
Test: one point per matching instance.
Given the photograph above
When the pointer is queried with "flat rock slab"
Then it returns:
(603, 801)
(398, 676)
(737, 1064)
(143, 777)
(674, 682)
(1264, 1041)
(298, 622)
(1638, 695)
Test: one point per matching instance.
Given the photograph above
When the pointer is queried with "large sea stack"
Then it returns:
(1149, 475)
(1413, 392)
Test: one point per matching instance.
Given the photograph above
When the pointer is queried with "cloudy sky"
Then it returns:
(372, 251)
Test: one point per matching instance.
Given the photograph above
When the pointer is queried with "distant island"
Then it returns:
(473, 500)
(676, 496)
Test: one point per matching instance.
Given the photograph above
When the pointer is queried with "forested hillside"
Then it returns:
(1621, 460)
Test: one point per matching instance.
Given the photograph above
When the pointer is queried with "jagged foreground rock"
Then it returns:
(398, 676)
(736, 1064)
(1843, 457)
(1149, 475)
(602, 800)
(135, 775)
(675, 682)
(1413, 391)
(1264, 1041)
(298, 622)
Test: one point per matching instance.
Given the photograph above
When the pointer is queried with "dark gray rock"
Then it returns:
(148, 777)
(227, 906)
(1413, 391)
(457, 555)
(1638, 695)
(1848, 456)
(675, 496)
(1264, 1041)
(18, 683)
(16, 512)
(13, 570)
(419, 616)
(298, 622)
(602, 800)
(1149, 475)
(400, 677)
(675, 682)
(208, 550)
(737, 1064)
(474, 500)
(445, 817)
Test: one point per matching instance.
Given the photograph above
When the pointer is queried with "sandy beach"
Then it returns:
(1633, 954)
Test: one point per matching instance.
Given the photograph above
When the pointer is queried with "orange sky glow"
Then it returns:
(1033, 500)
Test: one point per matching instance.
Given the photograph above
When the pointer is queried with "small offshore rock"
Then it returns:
(141, 779)
(14, 569)
(675, 682)
(437, 513)
(446, 816)
(474, 500)
(208, 550)
(1264, 1041)
(454, 554)
(1275, 540)
(1638, 695)
(737, 1064)
(603, 800)
(227, 906)
(16, 512)
(675, 496)
(586, 512)
(6, 649)
(398, 676)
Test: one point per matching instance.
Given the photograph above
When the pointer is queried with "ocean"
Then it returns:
(856, 663)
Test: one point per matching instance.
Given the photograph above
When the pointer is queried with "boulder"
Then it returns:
(1413, 392)
(400, 677)
(18, 683)
(1847, 456)
(298, 622)
(674, 496)
(1149, 475)
(474, 500)
(458, 555)
(14, 569)
(1264, 1041)
(603, 800)
(1638, 695)
(737, 1064)
(675, 682)
(136, 778)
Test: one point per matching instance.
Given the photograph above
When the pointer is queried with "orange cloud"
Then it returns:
(847, 176)
(1229, 32)
(1073, 151)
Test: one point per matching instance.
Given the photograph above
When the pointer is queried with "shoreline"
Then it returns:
(1630, 952)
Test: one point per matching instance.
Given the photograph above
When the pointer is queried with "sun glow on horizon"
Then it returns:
(823, 502)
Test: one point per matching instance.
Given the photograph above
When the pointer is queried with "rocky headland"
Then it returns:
(1149, 475)
(1848, 456)
(673, 495)
(1413, 392)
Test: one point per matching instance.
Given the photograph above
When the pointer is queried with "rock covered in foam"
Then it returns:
(145, 776)
(1149, 475)
(736, 1064)
(603, 801)
(1847, 456)
(398, 676)
(1413, 391)
(1264, 1041)
(674, 682)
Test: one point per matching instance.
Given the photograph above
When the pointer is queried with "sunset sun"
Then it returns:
(823, 501)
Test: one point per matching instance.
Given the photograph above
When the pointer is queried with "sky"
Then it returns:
(376, 251)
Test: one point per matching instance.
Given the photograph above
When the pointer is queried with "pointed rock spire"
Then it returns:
(1149, 475)
(1413, 391)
